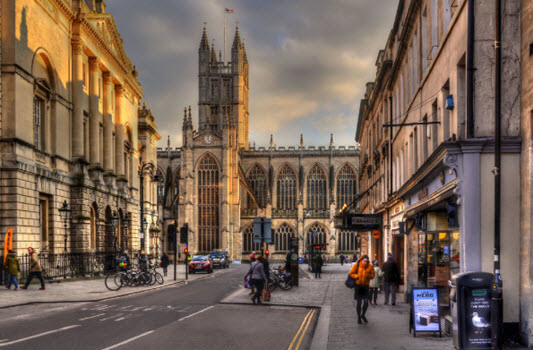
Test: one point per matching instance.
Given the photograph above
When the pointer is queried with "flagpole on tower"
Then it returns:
(224, 36)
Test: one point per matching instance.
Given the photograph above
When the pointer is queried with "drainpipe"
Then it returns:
(470, 73)
(497, 287)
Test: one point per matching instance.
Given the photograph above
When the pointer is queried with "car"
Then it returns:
(220, 258)
(201, 263)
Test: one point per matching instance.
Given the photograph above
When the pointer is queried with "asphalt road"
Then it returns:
(181, 316)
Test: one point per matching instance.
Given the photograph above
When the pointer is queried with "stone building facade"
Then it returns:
(72, 128)
(433, 168)
(217, 183)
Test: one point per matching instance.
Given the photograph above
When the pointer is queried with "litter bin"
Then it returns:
(300, 260)
(470, 296)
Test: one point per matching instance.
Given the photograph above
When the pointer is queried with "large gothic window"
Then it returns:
(248, 244)
(346, 189)
(257, 179)
(282, 237)
(208, 201)
(316, 234)
(160, 187)
(316, 188)
(346, 240)
(286, 188)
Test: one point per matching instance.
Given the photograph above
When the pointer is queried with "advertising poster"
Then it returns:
(477, 318)
(426, 310)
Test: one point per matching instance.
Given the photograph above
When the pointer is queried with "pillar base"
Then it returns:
(110, 179)
(122, 183)
(96, 173)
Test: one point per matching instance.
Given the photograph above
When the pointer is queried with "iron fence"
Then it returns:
(66, 265)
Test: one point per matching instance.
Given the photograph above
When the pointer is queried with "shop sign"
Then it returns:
(358, 222)
(376, 234)
(425, 315)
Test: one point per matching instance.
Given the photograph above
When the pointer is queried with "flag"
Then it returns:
(229, 10)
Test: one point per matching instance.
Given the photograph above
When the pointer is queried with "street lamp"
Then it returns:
(114, 223)
(142, 167)
(125, 226)
(64, 212)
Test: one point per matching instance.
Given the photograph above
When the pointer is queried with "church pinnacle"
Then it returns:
(204, 43)
(237, 44)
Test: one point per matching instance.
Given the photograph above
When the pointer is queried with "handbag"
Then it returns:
(247, 282)
(350, 282)
(265, 296)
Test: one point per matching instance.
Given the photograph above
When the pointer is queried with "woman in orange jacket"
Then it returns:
(362, 272)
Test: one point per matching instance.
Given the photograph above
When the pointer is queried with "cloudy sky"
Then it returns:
(309, 60)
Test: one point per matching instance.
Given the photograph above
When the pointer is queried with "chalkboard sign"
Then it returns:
(425, 316)
(477, 318)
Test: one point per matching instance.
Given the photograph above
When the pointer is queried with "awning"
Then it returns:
(434, 198)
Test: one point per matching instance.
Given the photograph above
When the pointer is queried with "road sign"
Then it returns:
(376, 234)
(258, 230)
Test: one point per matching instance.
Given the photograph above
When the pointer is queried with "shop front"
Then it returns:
(396, 243)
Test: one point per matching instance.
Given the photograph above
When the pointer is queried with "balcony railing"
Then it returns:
(284, 213)
(316, 213)
(248, 213)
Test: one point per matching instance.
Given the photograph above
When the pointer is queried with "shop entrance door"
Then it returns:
(397, 253)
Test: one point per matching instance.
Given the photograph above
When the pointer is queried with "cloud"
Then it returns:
(309, 59)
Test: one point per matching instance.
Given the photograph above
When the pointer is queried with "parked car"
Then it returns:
(201, 263)
(220, 258)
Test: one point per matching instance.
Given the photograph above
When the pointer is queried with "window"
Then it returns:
(316, 188)
(286, 189)
(346, 241)
(208, 204)
(346, 186)
(177, 183)
(282, 237)
(248, 244)
(425, 52)
(316, 234)
(434, 26)
(43, 219)
(84, 76)
(38, 125)
(446, 14)
(214, 88)
(257, 179)
(425, 139)
(160, 188)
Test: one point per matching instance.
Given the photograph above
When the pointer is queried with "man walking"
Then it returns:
(35, 269)
(391, 278)
(342, 259)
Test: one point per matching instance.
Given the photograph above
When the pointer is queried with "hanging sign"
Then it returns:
(425, 315)
(376, 234)
(8, 243)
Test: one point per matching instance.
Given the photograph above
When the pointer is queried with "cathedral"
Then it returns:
(217, 183)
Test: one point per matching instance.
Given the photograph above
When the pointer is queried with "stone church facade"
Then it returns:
(217, 183)
(72, 129)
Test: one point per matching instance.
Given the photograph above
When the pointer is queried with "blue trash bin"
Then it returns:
(300, 260)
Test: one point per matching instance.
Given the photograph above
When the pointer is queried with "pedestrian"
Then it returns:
(123, 261)
(12, 267)
(362, 272)
(342, 259)
(257, 278)
(35, 270)
(252, 287)
(164, 263)
(391, 278)
(318, 261)
(354, 257)
(375, 283)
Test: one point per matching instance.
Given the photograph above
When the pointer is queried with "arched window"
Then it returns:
(257, 179)
(286, 188)
(44, 86)
(316, 188)
(346, 189)
(346, 240)
(208, 193)
(248, 244)
(282, 237)
(316, 234)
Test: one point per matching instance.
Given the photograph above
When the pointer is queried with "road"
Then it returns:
(187, 316)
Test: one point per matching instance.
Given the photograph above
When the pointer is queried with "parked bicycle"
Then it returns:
(133, 277)
(280, 278)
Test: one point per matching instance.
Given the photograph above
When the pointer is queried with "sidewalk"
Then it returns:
(337, 327)
(85, 290)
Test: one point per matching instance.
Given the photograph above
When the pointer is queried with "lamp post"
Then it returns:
(125, 226)
(114, 223)
(142, 167)
(64, 212)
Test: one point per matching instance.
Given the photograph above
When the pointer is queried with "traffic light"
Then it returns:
(184, 233)
(186, 251)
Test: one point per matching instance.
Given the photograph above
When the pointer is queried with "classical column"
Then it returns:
(119, 127)
(94, 112)
(77, 100)
(108, 123)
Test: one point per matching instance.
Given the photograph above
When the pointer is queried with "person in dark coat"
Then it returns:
(164, 263)
(317, 265)
(342, 259)
(391, 279)
(354, 258)
(12, 267)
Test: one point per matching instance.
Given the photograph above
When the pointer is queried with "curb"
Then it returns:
(269, 304)
(106, 298)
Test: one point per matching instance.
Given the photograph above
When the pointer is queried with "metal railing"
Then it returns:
(67, 265)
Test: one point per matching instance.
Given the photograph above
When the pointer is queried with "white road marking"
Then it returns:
(127, 341)
(108, 318)
(104, 307)
(196, 313)
(125, 307)
(124, 317)
(40, 335)
(3, 340)
(88, 318)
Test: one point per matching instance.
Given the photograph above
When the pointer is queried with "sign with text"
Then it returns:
(425, 309)
(477, 323)
(358, 222)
